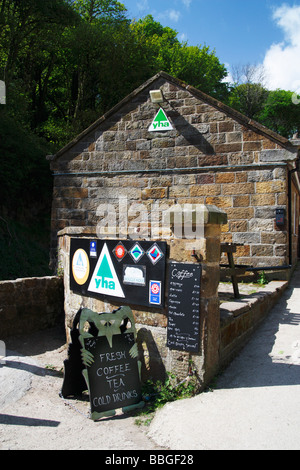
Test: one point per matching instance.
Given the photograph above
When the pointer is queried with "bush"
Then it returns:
(25, 175)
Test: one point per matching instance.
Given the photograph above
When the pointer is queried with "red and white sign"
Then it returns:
(119, 251)
(155, 288)
(155, 292)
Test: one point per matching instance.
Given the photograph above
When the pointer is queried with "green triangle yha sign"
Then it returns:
(104, 279)
(160, 122)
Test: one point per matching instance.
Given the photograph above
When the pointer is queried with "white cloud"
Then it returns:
(170, 15)
(142, 5)
(282, 60)
(182, 37)
(187, 3)
(229, 78)
(174, 15)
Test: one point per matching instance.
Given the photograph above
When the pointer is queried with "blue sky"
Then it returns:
(261, 32)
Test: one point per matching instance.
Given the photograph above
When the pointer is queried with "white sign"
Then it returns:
(134, 275)
(80, 266)
(104, 279)
(160, 122)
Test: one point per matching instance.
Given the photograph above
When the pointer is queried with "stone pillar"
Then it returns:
(208, 253)
(151, 325)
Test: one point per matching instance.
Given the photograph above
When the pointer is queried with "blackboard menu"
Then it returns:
(184, 307)
(114, 380)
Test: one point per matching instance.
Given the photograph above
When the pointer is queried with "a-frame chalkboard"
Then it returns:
(109, 354)
(113, 377)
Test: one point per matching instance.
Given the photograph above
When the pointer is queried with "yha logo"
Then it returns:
(160, 122)
(105, 279)
(102, 282)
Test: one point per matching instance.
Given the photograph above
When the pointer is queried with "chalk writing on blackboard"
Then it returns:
(110, 356)
(113, 376)
(184, 307)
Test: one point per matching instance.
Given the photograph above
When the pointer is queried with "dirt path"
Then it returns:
(42, 420)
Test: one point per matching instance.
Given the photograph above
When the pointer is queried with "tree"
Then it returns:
(158, 45)
(195, 65)
(280, 113)
(25, 175)
(249, 99)
(248, 93)
(274, 109)
(20, 20)
(97, 54)
(93, 10)
(30, 37)
(201, 68)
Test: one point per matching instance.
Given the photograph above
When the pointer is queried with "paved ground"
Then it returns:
(34, 417)
(255, 404)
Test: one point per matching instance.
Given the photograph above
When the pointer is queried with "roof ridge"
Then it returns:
(248, 122)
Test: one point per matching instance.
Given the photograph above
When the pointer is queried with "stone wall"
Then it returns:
(30, 304)
(151, 324)
(212, 156)
(240, 318)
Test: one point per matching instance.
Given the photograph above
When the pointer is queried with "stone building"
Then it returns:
(187, 151)
(212, 155)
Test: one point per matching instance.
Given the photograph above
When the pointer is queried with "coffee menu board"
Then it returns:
(184, 307)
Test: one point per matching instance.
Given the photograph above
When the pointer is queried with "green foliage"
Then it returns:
(274, 109)
(196, 65)
(24, 248)
(25, 195)
(159, 393)
(65, 63)
(93, 10)
(280, 114)
(25, 174)
(262, 279)
(248, 99)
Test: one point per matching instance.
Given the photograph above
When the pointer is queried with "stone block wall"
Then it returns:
(241, 318)
(30, 304)
(155, 356)
(212, 156)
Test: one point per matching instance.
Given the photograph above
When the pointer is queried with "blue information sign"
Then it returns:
(155, 292)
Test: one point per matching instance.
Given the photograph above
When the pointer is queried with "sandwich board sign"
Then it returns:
(105, 357)
(160, 122)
